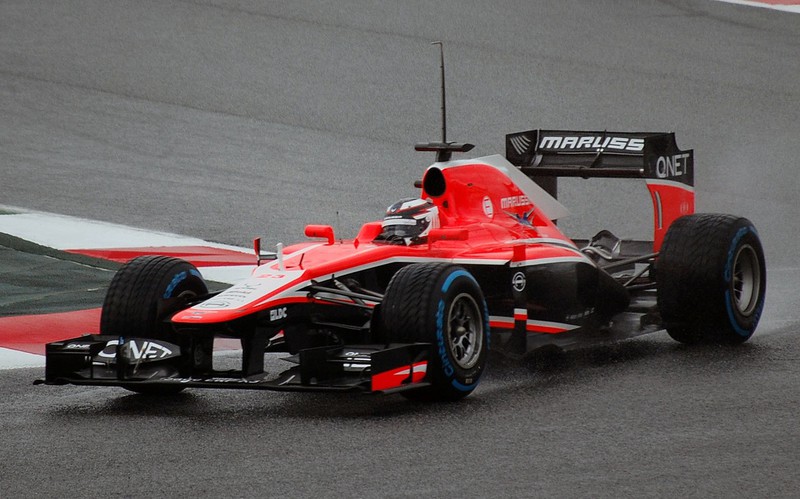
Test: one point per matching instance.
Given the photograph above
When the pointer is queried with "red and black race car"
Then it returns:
(416, 301)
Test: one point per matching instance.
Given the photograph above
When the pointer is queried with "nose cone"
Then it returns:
(251, 295)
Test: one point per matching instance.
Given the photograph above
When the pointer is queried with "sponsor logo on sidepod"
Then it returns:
(488, 208)
(514, 201)
(518, 281)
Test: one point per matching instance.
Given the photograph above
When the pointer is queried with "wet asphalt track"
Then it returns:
(225, 120)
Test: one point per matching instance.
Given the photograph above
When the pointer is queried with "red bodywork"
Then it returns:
(486, 218)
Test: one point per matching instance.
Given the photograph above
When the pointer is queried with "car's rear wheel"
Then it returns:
(711, 278)
(142, 295)
(443, 305)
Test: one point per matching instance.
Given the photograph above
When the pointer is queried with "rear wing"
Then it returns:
(545, 155)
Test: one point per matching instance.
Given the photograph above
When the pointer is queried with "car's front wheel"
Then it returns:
(147, 290)
(142, 295)
(443, 305)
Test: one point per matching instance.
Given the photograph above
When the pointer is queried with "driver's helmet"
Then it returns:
(410, 220)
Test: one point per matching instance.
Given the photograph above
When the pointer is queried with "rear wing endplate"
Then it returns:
(545, 155)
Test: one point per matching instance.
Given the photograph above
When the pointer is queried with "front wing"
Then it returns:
(134, 363)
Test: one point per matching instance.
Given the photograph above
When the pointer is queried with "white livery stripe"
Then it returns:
(549, 261)
(293, 290)
(499, 321)
(545, 240)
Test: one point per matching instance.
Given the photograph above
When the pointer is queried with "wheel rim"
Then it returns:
(465, 331)
(746, 282)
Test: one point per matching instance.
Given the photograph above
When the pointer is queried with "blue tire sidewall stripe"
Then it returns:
(179, 278)
(441, 347)
(728, 276)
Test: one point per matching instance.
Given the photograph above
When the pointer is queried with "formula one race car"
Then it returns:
(416, 301)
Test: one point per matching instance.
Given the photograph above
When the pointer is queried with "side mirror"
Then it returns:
(325, 231)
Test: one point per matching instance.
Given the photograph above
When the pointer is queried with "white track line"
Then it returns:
(64, 232)
(793, 7)
(14, 359)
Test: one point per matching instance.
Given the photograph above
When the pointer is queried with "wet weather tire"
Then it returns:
(147, 290)
(711, 279)
(441, 304)
(142, 295)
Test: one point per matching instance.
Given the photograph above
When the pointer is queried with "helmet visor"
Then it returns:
(403, 227)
